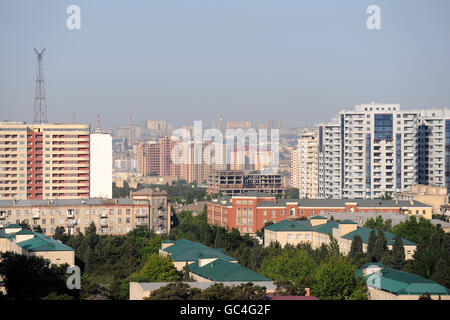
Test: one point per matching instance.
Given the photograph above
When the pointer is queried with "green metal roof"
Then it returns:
(167, 241)
(42, 243)
(364, 233)
(319, 218)
(403, 283)
(222, 270)
(13, 226)
(291, 225)
(347, 222)
(185, 250)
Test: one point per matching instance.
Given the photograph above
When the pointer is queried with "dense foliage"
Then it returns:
(33, 278)
(182, 291)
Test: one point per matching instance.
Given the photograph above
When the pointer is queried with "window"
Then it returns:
(86, 212)
(274, 213)
(290, 237)
(307, 236)
(111, 211)
(299, 237)
(265, 212)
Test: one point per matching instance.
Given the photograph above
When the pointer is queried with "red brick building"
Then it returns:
(251, 211)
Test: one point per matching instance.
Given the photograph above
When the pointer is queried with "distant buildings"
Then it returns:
(110, 216)
(237, 182)
(316, 231)
(385, 283)
(249, 212)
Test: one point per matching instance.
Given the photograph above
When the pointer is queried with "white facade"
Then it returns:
(101, 165)
(329, 158)
(304, 165)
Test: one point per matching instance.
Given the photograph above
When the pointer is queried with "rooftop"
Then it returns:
(222, 270)
(185, 250)
(401, 283)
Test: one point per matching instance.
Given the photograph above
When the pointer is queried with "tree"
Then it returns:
(289, 288)
(31, 278)
(59, 233)
(248, 291)
(371, 245)
(174, 291)
(335, 279)
(292, 193)
(356, 249)
(24, 224)
(292, 264)
(425, 296)
(380, 248)
(157, 269)
(38, 229)
(216, 292)
(418, 232)
(378, 223)
(398, 253)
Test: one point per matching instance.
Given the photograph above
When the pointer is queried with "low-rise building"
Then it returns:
(146, 207)
(317, 230)
(207, 264)
(385, 283)
(250, 211)
(15, 239)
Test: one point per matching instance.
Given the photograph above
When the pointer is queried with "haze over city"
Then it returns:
(297, 61)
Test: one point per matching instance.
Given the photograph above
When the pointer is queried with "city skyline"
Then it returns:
(241, 60)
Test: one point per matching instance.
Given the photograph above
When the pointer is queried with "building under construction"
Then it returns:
(235, 182)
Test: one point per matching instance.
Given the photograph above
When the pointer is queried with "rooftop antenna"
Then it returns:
(98, 123)
(40, 105)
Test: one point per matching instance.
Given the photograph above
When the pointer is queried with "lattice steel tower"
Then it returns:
(40, 105)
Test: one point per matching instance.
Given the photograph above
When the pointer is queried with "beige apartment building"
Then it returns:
(44, 161)
(304, 165)
(146, 207)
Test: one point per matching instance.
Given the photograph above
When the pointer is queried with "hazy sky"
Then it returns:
(185, 60)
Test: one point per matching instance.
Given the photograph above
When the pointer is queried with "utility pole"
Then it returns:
(40, 104)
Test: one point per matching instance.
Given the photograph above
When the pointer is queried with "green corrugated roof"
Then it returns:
(42, 243)
(347, 222)
(222, 270)
(13, 226)
(404, 283)
(364, 233)
(319, 218)
(291, 225)
(185, 250)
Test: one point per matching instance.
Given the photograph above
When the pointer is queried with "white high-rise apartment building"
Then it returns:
(433, 148)
(378, 148)
(329, 159)
(379, 153)
(304, 165)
